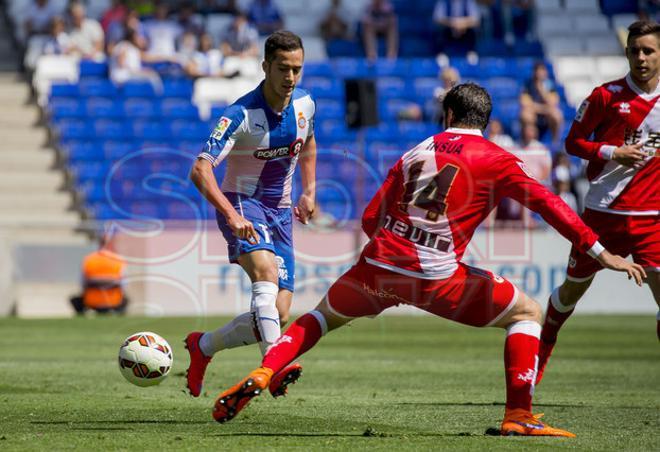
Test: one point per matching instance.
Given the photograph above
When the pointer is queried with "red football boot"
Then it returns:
(198, 363)
(285, 377)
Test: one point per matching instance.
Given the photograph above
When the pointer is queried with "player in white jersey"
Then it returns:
(262, 136)
(617, 129)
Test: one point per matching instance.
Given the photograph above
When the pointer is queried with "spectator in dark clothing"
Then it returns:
(115, 14)
(380, 19)
(539, 103)
(334, 25)
(240, 39)
(457, 22)
(265, 16)
(217, 6)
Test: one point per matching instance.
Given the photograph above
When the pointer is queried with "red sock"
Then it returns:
(520, 360)
(302, 335)
(554, 319)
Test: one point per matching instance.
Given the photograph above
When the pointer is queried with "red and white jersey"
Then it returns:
(616, 113)
(425, 213)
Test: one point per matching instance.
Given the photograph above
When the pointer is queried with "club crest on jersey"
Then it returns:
(582, 110)
(614, 88)
(280, 152)
(302, 122)
(221, 128)
(624, 107)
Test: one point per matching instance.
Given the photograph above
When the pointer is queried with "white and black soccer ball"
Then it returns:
(145, 359)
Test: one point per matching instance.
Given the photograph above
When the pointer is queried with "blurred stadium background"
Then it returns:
(91, 144)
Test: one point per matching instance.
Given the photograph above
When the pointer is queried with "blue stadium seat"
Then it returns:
(66, 107)
(417, 131)
(611, 7)
(136, 107)
(341, 48)
(389, 108)
(424, 87)
(90, 170)
(179, 109)
(78, 151)
(508, 111)
(107, 129)
(329, 109)
(389, 87)
(383, 132)
(416, 47)
(423, 67)
(392, 68)
(493, 48)
(352, 68)
(216, 111)
(184, 130)
(64, 90)
(96, 87)
(138, 89)
(465, 69)
(528, 49)
(95, 193)
(503, 87)
(150, 130)
(115, 150)
(324, 87)
(90, 68)
(317, 69)
(182, 88)
(103, 107)
(494, 67)
(73, 129)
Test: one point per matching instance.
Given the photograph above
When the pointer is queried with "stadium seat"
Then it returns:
(341, 48)
(73, 129)
(179, 109)
(103, 107)
(587, 24)
(182, 88)
(391, 68)
(78, 151)
(424, 87)
(324, 87)
(352, 68)
(606, 44)
(66, 107)
(106, 129)
(64, 90)
(553, 25)
(390, 87)
(416, 47)
(329, 109)
(138, 89)
(611, 7)
(136, 107)
(502, 87)
(97, 87)
(150, 130)
(423, 67)
(583, 7)
(389, 109)
(317, 69)
(90, 68)
(611, 67)
(115, 150)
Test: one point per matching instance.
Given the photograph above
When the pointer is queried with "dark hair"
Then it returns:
(281, 40)
(470, 104)
(642, 28)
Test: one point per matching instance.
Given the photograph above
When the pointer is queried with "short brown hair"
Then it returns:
(281, 40)
(642, 28)
(470, 104)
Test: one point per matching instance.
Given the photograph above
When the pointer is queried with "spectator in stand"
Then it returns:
(207, 61)
(539, 103)
(144, 8)
(497, 135)
(86, 37)
(432, 111)
(562, 177)
(488, 12)
(117, 31)
(335, 24)
(518, 12)
(58, 42)
(535, 154)
(380, 19)
(265, 16)
(162, 34)
(40, 14)
(240, 39)
(217, 6)
(126, 62)
(457, 22)
(189, 20)
(648, 9)
(115, 14)
(102, 281)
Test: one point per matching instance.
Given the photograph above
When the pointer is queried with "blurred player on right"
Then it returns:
(617, 128)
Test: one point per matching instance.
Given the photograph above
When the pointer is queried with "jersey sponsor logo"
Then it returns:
(526, 170)
(302, 122)
(221, 128)
(614, 88)
(383, 293)
(582, 110)
(280, 152)
(624, 107)
(416, 235)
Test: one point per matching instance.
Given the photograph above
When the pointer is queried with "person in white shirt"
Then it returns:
(86, 37)
(535, 154)
(126, 62)
(162, 34)
(497, 135)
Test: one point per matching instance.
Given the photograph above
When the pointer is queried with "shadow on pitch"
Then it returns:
(127, 421)
(341, 435)
(536, 405)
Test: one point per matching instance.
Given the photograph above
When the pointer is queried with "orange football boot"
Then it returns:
(285, 377)
(233, 400)
(524, 423)
(198, 363)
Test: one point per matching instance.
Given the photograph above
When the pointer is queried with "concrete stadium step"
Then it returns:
(27, 160)
(25, 116)
(19, 181)
(50, 236)
(44, 299)
(38, 219)
(51, 201)
(27, 138)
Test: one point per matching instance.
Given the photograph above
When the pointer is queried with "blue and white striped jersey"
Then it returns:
(261, 146)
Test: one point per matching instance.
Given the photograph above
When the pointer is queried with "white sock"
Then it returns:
(267, 319)
(238, 332)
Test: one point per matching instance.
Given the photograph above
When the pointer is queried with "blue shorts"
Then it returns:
(274, 227)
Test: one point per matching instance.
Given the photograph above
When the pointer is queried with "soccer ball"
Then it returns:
(145, 359)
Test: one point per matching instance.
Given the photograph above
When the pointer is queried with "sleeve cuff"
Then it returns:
(606, 152)
(596, 249)
(207, 156)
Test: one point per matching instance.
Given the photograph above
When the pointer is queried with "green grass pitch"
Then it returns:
(411, 383)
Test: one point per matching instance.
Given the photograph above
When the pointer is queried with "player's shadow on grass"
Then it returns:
(339, 435)
(536, 405)
(127, 421)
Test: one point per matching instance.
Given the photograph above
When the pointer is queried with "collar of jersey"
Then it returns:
(644, 95)
(267, 108)
(461, 131)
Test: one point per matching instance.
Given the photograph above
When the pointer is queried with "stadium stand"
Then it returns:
(109, 137)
